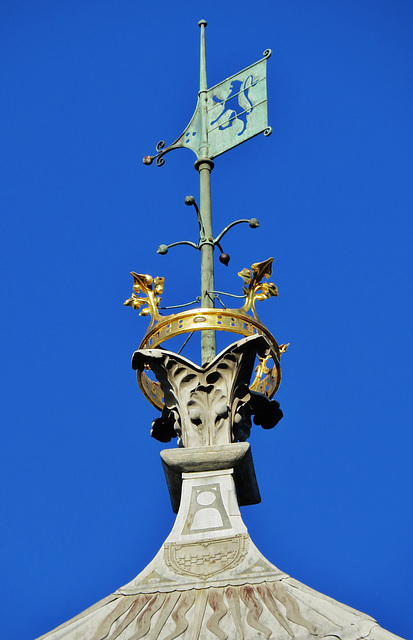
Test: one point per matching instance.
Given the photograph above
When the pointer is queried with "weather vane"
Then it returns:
(225, 116)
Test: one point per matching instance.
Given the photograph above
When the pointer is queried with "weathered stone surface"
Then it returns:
(275, 608)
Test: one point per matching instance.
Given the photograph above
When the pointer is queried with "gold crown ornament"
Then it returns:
(244, 321)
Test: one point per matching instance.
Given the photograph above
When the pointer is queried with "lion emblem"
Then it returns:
(237, 105)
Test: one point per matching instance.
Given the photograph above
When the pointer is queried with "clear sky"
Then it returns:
(88, 88)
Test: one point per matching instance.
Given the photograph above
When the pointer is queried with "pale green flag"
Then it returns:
(236, 110)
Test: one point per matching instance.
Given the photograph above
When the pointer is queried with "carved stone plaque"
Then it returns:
(206, 558)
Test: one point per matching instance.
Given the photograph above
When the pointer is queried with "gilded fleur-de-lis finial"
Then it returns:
(254, 288)
(147, 291)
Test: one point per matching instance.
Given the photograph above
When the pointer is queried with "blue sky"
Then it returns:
(88, 89)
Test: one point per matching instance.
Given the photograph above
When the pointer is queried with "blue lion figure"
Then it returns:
(235, 110)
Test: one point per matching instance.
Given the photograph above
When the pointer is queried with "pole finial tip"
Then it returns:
(202, 22)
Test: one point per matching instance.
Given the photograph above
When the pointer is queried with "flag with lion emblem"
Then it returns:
(236, 110)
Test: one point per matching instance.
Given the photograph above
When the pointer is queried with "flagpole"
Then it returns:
(204, 166)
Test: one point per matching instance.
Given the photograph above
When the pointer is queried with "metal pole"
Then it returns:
(205, 165)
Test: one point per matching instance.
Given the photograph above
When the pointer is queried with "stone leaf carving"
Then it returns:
(210, 405)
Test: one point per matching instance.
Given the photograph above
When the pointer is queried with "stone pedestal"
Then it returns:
(235, 456)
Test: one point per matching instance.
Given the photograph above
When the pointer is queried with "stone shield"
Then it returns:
(206, 558)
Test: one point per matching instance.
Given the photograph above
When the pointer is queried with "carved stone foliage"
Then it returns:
(209, 405)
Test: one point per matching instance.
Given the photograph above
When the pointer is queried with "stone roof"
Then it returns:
(250, 601)
(209, 581)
